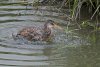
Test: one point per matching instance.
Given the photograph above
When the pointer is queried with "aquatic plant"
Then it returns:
(76, 7)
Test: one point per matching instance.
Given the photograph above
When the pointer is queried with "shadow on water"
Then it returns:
(68, 49)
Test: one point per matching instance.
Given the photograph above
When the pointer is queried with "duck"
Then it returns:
(43, 33)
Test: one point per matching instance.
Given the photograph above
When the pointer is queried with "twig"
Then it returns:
(95, 11)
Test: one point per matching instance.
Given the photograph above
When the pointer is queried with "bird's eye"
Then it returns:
(52, 23)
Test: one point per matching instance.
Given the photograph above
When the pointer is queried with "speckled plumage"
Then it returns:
(37, 33)
(31, 33)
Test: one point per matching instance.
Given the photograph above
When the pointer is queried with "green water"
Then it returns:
(68, 48)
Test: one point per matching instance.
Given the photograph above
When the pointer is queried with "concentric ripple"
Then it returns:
(64, 51)
(19, 53)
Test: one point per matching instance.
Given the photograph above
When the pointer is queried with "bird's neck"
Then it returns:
(47, 32)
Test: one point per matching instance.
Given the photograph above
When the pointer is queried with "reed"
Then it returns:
(75, 6)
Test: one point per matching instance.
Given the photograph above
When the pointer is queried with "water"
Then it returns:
(68, 49)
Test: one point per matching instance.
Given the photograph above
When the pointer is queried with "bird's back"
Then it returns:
(31, 33)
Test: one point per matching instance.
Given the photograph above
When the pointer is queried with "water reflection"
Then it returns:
(68, 49)
(83, 56)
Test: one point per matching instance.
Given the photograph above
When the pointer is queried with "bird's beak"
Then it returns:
(58, 27)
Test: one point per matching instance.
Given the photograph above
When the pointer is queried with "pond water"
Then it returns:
(68, 48)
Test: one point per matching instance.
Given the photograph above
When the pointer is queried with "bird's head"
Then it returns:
(52, 24)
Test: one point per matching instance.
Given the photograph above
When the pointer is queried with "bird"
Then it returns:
(43, 33)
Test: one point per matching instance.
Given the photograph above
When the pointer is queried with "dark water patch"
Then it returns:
(6, 21)
(10, 14)
(76, 56)
(6, 4)
(7, 9)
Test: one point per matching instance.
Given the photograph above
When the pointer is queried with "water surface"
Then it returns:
(68, 48)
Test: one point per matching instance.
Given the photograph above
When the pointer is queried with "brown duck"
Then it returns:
(38, 33)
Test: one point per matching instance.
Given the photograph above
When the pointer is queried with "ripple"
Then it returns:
(22, 63)
(23, 57)
(21, 53)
